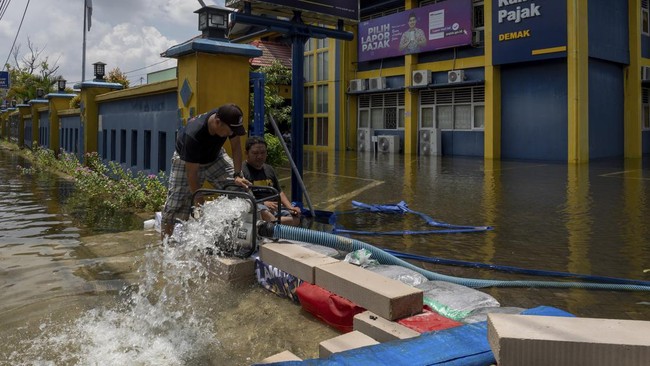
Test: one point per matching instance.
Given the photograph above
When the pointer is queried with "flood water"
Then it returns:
(81, 287)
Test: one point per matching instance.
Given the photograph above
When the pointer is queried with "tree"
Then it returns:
(117, 76)
(276, 75)
(31, 72)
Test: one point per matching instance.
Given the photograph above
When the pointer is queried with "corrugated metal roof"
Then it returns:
(272, 51)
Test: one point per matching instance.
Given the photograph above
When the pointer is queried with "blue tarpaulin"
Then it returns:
(466, 345)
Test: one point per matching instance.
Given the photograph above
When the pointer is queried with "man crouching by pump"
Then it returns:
(257, 171)
(200, 155)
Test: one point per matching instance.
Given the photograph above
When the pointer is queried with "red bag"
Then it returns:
(428, 321)
(328, 307)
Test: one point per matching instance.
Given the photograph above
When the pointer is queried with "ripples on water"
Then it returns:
(65, 302)
(161, 320)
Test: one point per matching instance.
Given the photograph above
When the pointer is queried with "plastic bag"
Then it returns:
(480, 314)
(454, 301)
(361, 258)
(399, 273)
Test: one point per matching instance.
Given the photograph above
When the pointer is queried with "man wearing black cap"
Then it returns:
(199, 156)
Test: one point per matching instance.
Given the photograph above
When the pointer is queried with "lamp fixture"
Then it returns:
(40, 93)
(61, 84)
(213, 21)
(99, 69)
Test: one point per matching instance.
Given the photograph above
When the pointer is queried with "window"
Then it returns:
(453, 109)
(386, 111)
(323, 66)
(309, 100)
(309, 131)
(321, 131)
(322, 95)
(309, 65)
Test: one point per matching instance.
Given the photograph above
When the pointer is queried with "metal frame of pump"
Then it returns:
(274, 194)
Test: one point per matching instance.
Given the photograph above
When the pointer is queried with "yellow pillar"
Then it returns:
(411, 114)
(24, 112)
(58, 102)
(212, 72)
(4, 116)
(35, 105)
(90, 111)
(349, 103)
(410, 99)
(578, 81)
(492, 128)
(632, 121)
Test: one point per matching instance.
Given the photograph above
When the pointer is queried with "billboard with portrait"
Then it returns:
(428, 28)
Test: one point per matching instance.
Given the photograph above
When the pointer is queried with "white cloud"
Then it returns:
(125, 33)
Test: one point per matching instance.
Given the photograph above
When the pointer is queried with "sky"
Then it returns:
(129, 34)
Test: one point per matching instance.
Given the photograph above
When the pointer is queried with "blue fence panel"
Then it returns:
(70, 136)
(139, 133)
(44, 130)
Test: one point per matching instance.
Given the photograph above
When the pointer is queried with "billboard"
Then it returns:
(429, 28)
(4, 79)
(528, 31)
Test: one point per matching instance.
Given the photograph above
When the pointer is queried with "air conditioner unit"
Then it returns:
(478, 37)
(364, 140)
(388, 143)
(455, 76)
(430, 142)
(357, 85)
(421, 78)
(377, 83)
(645, 73)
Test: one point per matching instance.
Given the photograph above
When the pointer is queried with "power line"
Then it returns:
(142, 68)
(17, 32)
(3, 7)
(146, 67)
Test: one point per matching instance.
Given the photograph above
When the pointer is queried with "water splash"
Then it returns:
(155, 321)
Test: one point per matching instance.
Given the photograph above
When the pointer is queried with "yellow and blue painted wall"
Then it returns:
(562, 81)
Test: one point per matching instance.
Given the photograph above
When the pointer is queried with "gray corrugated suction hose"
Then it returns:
(349, 245)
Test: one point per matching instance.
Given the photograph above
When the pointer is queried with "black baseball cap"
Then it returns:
(232, 115)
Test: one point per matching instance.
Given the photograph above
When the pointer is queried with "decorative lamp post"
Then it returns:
(61, 85)
(213, 21)
(40, 93)
(99, 68)
(13, 103)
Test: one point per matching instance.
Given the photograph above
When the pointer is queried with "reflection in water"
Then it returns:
(70, 296)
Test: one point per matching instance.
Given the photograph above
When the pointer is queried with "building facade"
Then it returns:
(500, 79)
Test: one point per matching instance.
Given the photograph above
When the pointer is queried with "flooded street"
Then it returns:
(81, 287)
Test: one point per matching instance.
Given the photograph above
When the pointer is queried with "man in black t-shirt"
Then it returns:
(199, 156)
(257, 171)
